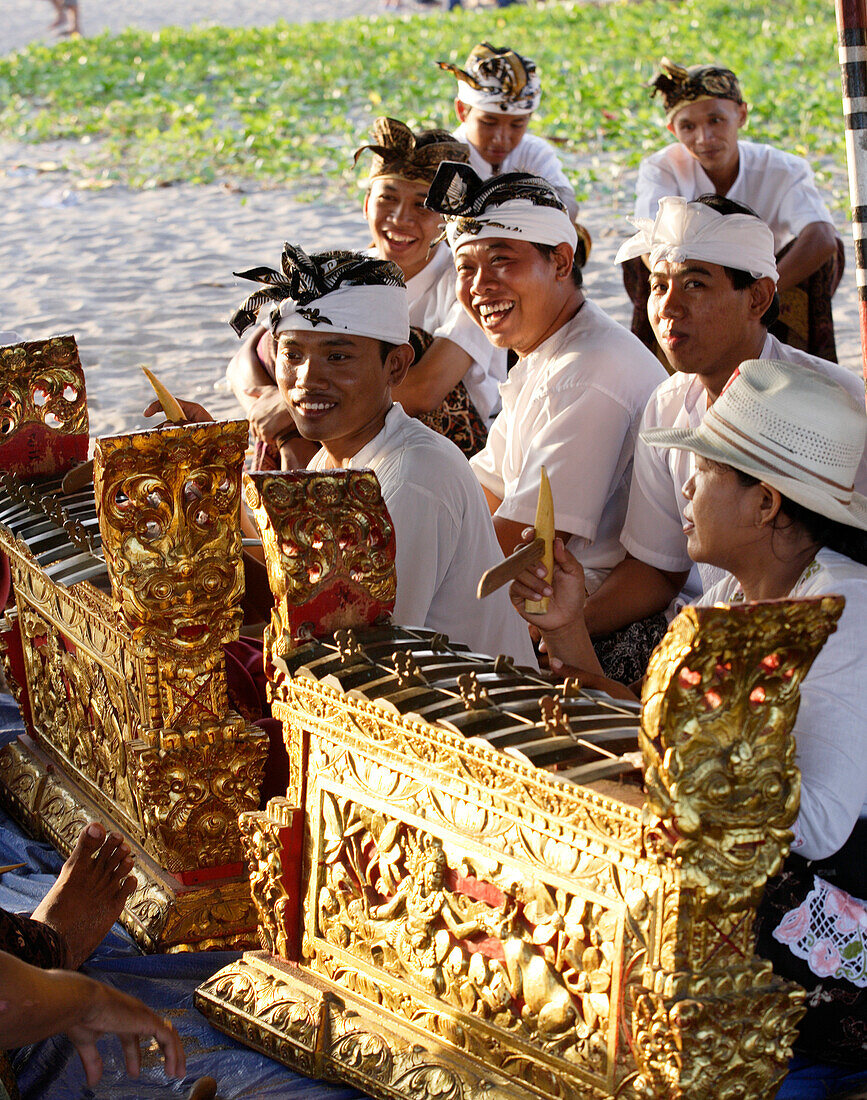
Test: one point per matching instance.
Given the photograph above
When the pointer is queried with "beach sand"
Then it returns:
(146, 276)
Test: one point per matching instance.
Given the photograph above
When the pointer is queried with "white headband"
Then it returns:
(492, 99)
(692, 231)
(380, 312)
(518, 219)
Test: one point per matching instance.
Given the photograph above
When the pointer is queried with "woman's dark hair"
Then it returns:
(578, 260)
(741, 280)
(851, 542)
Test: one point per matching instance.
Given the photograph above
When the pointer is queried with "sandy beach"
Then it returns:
(146, 276)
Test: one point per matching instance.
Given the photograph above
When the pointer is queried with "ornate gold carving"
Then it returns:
(720, 699)
(329, 547)
(191, 796)
(272, 848)
(281, 1013)
(128, 698)
(473, 694)
(161, 914)
(168, 503)
(42, 386)
(503, 917)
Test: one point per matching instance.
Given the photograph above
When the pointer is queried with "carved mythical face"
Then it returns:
(168, 505)
(720, 699)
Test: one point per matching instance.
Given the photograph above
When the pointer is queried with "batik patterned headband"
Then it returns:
(353, 293)
(515, 205)
(679, 87)
(497, 80)
(398, 153)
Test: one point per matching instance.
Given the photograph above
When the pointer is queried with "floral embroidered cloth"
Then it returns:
(828, 930)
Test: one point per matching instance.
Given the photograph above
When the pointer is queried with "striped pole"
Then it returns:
(852, 39)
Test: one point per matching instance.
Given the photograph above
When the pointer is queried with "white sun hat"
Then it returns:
(790, 427)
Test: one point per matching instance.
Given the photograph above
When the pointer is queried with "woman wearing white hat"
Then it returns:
(772, 502)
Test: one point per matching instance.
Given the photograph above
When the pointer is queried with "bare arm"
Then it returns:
(631, 591)
(35, 1004)
(436, 374)
(257, 391)
(510, 531)
(814, 245)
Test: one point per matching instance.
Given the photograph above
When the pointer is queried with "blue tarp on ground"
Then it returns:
(52, 1071)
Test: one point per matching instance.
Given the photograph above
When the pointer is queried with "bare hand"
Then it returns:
(268, 415)
(566, 592)
(110, 1011)
(194, 413)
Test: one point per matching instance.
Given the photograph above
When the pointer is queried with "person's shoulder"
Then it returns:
(670, 156)
(848, 380)
(533, 143)
(595, 333)
(832, 573)
(757, 156)
(673, 401)
(424, 452)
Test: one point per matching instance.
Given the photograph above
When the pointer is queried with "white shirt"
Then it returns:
(831, 727)
(573, 405)
(434, 307)
(445, 538)
(778, 186)
(532, 154)
(653, 531)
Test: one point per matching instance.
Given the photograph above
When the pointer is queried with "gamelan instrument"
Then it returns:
(125, 592)
(480, 884)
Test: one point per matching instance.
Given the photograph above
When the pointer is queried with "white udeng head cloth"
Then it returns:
(519, 219)
(515, 205)
(380, 312)
(692, 231)
(347, 292)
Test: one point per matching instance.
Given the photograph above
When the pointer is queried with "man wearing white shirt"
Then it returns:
(712, 296)
(705, 111)
(573, 400)
(342, 325)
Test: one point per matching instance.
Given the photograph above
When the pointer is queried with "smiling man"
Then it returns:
(342, 326)
(705, 111)
(712, 296)
(573, 400)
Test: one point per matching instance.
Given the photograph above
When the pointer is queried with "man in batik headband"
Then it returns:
(712, 279)
(705, 110)
(573, 400)
(498, 91)
(342, 327)
(403, 231)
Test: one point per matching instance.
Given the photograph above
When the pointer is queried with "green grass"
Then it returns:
(288, 104)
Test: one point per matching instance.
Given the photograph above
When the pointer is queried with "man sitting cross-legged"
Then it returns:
(573, 400)
(455, 377)
(712, 296)
(342, 326)
(705, 110)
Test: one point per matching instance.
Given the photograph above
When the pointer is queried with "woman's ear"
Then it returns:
(768, 505)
